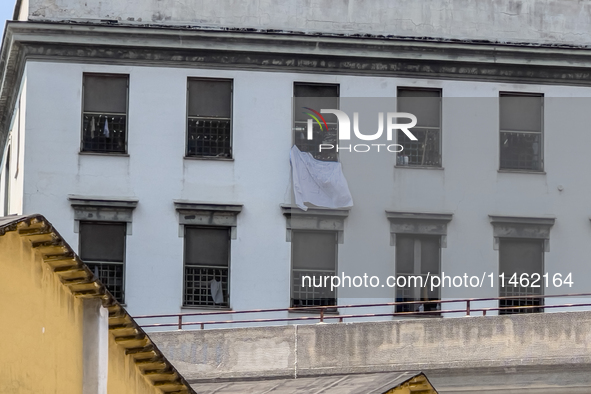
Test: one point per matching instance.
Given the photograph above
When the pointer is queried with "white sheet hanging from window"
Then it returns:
(317, 182)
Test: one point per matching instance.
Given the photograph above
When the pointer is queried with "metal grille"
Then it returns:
(111, 274)
(104, 133)
(311, 296)
(509, 290)
(423, 152)
(209, 137)
(521, 151)
(329, 136)
(198, 286)
(408, 293)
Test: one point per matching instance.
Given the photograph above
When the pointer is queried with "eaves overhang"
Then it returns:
(274, 50)
(82, 283)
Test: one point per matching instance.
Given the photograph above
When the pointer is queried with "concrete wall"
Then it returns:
(425, 344)
(538, 21)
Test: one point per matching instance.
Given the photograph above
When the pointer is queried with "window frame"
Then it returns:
(112, 75)
(508, 277)
(521, 228)
(335, 233)
(188, 117)
(418, 238)
(123, 263)
(228, 230)
(541, 132)
(293, 119)
(423, 89)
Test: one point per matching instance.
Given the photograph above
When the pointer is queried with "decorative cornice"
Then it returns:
(106, 202)
(185, 205)
(289, 210)
(522, 220)
(421, 216)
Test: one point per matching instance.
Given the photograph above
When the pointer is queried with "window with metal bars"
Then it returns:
(521, 136)
(102, 248)
(313, 254)
(425, 104)
(207, 267)
(104, 116)
(310, 97)
(519, 256)
(209, 124)
(417, 256)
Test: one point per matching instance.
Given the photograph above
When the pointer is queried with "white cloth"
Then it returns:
(106, 128)
(92, 128)
(318, 182)
(216, 291)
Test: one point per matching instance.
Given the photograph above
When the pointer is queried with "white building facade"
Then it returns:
(180, 200)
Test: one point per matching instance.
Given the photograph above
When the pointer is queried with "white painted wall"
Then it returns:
(16, 144)
(155, 172)
(536, 21)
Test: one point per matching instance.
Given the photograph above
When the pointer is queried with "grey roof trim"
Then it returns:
(110, 202)
(425, 216)
(293, 210)
(185, 205)
(536, 221)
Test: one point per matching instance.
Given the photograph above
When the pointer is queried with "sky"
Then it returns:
(6, 12)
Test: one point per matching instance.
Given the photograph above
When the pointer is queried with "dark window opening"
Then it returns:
(314, 255)
(425, 104)
(521, 120)
(516, 257)
(104, 117)
(316, 96)
(102, 248)
(417, 257)
(209, 127)
(207, 257)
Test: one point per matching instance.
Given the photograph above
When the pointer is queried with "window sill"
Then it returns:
(522, 172)
(104, 154)
(208, 158)
(420, 167)
(312, 310)
(206, 308)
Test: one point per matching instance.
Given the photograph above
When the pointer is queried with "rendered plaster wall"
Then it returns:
(41, 329)
(535, 21)
(469, 186)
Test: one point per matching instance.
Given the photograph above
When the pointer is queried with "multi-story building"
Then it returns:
(157, 137)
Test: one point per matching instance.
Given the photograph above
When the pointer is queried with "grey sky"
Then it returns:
(6, 11)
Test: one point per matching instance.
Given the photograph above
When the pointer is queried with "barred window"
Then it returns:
(207, 257)
(209, 124)
(519, 256)
(102, 248)
(309, 99)
(425, 104)
(417, 257)
(521, 139)
(104, 117)
(313, 254)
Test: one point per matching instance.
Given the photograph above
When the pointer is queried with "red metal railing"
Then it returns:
(321, 314)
